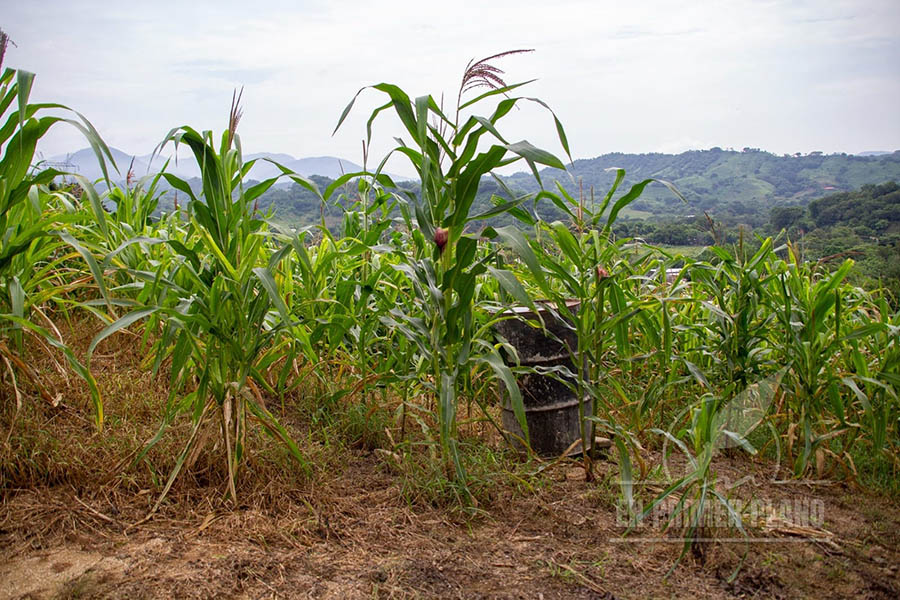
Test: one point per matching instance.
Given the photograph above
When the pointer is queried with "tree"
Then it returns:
(785, 217)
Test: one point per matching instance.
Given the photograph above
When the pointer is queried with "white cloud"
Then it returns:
(784, 76)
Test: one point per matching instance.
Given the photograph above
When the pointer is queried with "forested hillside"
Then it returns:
(864, 225)
(725, 193)
(732, 187)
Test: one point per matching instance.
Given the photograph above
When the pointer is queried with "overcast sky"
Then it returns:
(788, 76)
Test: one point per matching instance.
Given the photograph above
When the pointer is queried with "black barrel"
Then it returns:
(551, 408)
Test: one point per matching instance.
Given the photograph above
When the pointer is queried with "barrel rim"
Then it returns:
(559, 405)
(542, 306)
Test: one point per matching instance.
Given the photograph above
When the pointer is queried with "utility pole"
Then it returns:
(66, 166)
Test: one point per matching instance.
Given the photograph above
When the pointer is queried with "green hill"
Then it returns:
(733, 186)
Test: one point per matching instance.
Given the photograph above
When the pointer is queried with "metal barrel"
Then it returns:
(552, 409)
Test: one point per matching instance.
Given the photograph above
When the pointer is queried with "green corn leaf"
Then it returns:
(268, 282)
(119, 324)
(626, 477)
(533, 154)
(89, 259)
(510, 283)
(24, 81)
(502, 371)
(514, 238)
(494, 92)
(568, 244)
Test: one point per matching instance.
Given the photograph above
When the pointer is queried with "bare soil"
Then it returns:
(562, 541)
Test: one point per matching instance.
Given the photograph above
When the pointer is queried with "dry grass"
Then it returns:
(51, 446)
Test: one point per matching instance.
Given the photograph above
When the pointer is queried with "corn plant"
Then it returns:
(876, 362)
(740, 312)
(218, 304)
(444, 151)
(588, 271)
(366, 290)
(698, 432)
(33, 231)
(135, 203)
(811, 313)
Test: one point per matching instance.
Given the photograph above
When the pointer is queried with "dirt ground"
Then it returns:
(561, 541)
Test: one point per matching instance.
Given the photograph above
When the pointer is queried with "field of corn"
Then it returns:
(387, 331)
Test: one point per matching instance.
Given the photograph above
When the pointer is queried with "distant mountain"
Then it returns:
(84, 162)
(326, 166)
(732, 186)
(873, 153)
(739, 186)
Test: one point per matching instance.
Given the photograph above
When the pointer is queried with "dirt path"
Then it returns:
(561, 541)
